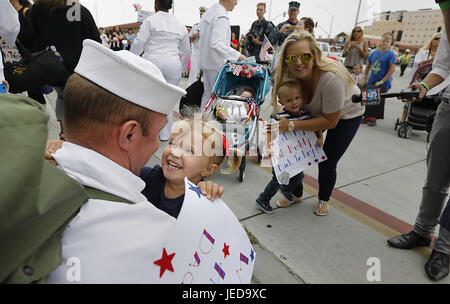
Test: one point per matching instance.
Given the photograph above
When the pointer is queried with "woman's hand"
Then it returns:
(422, 91)
(211, 190)
(282, 125)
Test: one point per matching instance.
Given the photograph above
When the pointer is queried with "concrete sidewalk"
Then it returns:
(377, 196)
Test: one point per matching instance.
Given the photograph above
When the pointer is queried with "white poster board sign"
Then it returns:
(293, 152)
(207, 245)
(142, 15)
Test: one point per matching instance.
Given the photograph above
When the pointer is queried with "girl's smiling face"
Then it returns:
(182, 158)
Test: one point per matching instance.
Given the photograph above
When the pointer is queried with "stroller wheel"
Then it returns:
(242, 169)
(241, 175)
(397, 123)
(408, 131)
(401, 131)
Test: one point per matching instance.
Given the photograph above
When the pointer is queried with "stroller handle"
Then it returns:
(237, 98)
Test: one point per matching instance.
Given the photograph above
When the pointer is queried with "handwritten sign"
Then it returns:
(207, 245)
(293, 152)
(142, 15)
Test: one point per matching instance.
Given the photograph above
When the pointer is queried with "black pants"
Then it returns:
(402, 69)
(336, 143)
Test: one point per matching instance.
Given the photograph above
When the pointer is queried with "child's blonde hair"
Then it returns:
(288, 84)
(357, 64)
(211, 131)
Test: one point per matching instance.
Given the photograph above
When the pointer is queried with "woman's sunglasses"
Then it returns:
(304, 58)
(356, 32)
(437, 38)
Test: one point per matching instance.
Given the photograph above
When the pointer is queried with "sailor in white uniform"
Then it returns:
(113, 241)
(9, 27)
(215, 48)
(163, 39)
(194, 37)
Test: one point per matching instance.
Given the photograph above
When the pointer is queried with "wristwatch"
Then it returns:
(291, 126)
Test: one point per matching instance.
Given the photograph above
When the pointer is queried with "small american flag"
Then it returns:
(220, 271)
(244, 259)
(197, 258)
(208, 236)
(266, 46)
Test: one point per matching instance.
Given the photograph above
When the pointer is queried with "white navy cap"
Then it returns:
(129, 76)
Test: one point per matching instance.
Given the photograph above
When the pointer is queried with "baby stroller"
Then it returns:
(420, 115)
(241, 124)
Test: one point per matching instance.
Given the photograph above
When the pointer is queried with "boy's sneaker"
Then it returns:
(264, 206)
(287, 196)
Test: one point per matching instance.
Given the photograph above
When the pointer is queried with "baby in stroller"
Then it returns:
(236, 111)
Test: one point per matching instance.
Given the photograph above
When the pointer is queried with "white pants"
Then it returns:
(209, 77)
(195, 67)
(171, 70)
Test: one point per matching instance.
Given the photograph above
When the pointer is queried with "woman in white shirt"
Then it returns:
(427, 53)
(163, 39)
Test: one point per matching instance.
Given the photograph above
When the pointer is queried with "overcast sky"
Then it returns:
(111, 12)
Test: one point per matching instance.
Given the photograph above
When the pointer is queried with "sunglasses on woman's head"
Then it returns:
(304, 58)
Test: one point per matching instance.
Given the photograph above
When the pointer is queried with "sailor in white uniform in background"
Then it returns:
(215, 48)
(194, 37)
(9, 27)
(163, 39)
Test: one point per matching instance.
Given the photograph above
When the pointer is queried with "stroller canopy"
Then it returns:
(238, 74)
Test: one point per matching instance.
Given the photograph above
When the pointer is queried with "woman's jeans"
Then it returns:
(336, 143)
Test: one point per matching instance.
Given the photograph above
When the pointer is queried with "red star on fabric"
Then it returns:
(226, 250)
(165, 262)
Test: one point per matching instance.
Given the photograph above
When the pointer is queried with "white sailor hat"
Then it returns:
(202, 9)
(128, 76)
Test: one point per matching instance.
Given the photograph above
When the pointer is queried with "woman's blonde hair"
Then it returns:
(320, 62)
(361, 37)
(214, 134)
(427, 45)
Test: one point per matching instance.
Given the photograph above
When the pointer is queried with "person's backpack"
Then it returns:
(37, 200)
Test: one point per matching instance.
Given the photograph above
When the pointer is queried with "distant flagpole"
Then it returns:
(96, 12)
(270, 10)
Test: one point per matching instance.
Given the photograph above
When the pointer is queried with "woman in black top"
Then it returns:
(65, 27)
(52, 27)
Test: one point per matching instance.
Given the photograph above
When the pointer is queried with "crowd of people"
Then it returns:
(110, 133)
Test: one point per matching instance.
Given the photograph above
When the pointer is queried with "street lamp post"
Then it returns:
(357, 14)
(332, 20)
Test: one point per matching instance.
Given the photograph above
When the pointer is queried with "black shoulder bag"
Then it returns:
(35, 70)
